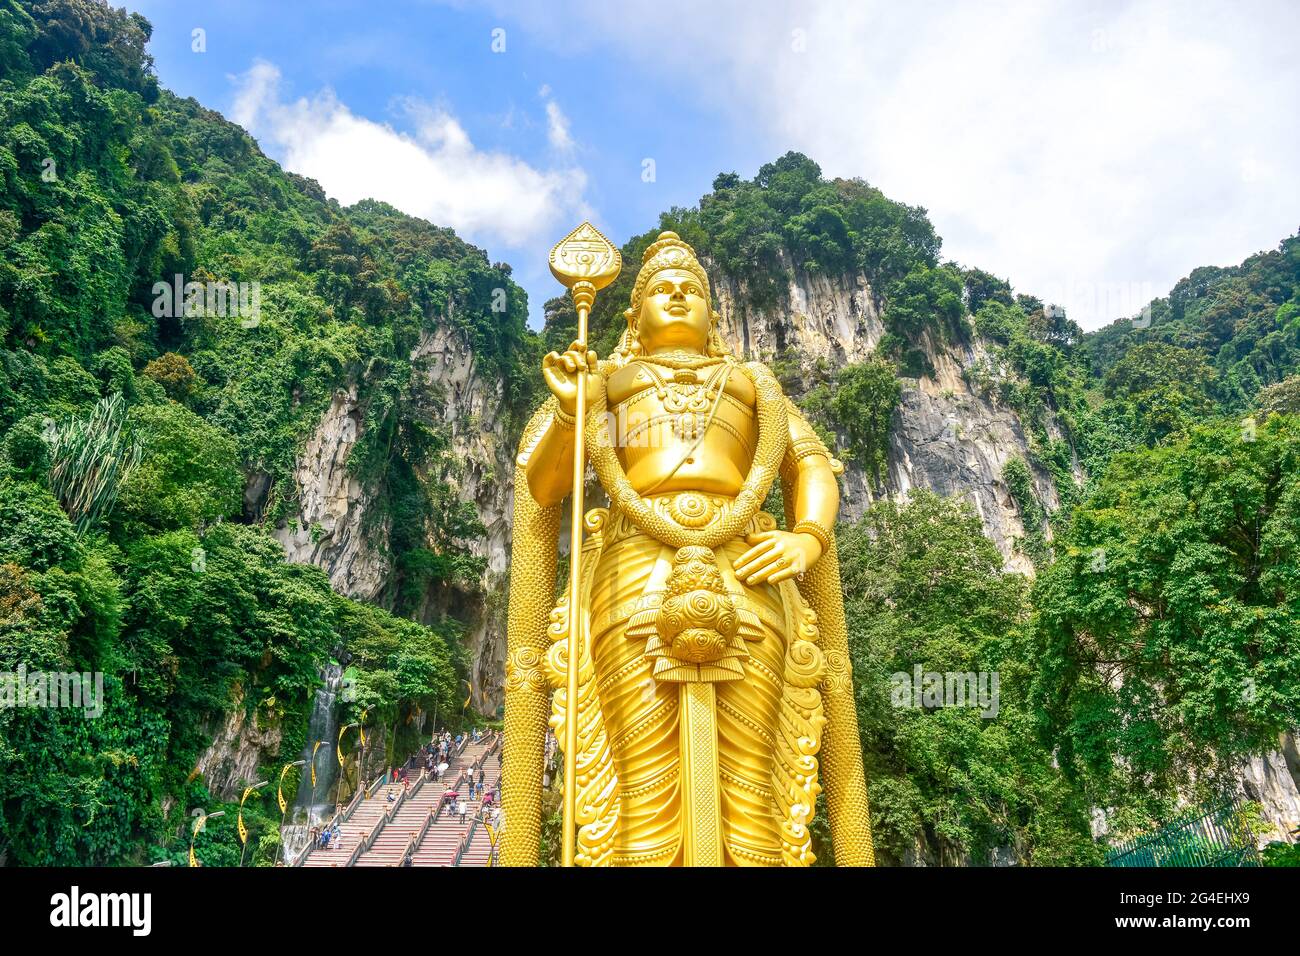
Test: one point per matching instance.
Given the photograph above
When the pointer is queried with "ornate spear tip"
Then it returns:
(585, 255)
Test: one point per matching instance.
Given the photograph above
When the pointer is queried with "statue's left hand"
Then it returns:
(776, 556)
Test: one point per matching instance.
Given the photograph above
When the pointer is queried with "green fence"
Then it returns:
(1217, 837)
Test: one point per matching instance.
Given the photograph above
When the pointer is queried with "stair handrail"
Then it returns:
(341, 816)
(368, 839)
(465, 838)
(303, 853)
(385, 818)
(365, 841)
(416, 838)
(354, 801)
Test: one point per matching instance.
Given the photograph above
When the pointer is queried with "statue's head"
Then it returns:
(671, 306)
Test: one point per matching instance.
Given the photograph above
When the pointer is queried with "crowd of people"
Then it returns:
(327, 837)
(436, 756)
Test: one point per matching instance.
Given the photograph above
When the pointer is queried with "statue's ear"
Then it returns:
(628, 344)
(717, 347)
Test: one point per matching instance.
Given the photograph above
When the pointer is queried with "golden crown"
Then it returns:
(669, 251)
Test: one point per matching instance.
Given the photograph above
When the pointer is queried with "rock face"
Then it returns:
(330, 527)
(335, 530)
(949, 440)
(239, 745)
(1273, 781)
(945, 437)
(472, 406)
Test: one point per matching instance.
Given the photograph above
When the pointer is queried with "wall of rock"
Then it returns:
(334, 529)
(945, 437)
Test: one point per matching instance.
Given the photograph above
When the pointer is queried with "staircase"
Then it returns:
(353, 829)
(420, 822)
(480, 843)
(390, 846)
(446, 834)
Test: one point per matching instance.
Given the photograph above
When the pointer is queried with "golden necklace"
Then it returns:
(653, 517)
(681, 359)
(686, 399)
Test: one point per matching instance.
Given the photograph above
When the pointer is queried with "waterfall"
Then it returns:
(312, 807)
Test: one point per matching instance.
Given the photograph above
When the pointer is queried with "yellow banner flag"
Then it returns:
(279, 792)
(243, 831)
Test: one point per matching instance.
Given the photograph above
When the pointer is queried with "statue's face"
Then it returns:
(674, 312)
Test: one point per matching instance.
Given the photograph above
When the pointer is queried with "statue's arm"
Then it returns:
(812, 481)
(813, 502)
(550, 467)
(550, 463)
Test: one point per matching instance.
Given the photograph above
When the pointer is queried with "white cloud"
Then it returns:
(557, 128)
(1092, 153)
(436, 173)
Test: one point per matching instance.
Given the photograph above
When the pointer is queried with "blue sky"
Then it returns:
(375, 57)
(1091, 153)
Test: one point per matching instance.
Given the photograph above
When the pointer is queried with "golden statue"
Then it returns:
(713, 687)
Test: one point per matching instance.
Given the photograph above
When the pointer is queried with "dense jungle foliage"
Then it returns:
(129, 431)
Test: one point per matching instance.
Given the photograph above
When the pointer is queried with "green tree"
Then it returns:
(188, 475)
(924, 587)
(1165, 629)
(862, 404)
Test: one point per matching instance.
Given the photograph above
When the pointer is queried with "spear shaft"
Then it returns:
(585, 262)
(583, 295)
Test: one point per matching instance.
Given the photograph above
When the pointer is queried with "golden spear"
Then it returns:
(584, 262)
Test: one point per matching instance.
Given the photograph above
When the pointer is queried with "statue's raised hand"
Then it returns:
(561, 374)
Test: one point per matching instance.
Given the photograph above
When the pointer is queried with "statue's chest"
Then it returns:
(690, 422)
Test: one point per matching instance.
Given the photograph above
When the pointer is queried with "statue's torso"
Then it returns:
(657, 413)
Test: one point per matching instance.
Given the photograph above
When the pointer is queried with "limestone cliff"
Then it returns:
(944, 436)
(472, 406)
(242, 741)
(334, 529)
(329, 529)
